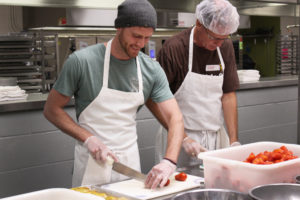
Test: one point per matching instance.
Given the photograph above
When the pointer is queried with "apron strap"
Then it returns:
(106, 64)
(139, 73)
(221, 60)
(191, 49)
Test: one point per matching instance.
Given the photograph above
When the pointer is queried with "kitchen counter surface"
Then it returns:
(277, 81)
(36, 101)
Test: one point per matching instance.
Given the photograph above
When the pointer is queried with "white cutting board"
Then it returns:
(134, 189)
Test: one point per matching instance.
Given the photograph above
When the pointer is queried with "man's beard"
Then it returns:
(123, 45)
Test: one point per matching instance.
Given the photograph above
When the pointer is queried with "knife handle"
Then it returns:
(109, 160)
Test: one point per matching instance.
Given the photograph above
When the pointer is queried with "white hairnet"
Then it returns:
(219, 16)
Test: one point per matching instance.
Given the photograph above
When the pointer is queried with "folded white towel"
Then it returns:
(248, 75)
(13, 98)
(248, 71)
(12, 93)
(9, 88)
(248, 79)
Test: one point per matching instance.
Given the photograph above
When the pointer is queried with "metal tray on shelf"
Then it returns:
(31, 58)
(287, 54)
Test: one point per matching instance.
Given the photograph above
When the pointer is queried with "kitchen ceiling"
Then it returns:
(104, 4)
(267, 7)
(246, 7)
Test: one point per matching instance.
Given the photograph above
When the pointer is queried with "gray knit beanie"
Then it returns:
(136, 13)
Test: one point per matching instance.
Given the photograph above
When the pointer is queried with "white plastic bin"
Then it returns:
(54, 194)
(224, 168)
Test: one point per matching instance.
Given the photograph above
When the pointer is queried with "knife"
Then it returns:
(128, 171)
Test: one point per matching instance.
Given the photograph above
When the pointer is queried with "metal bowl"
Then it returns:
(278, 191)
(211, 194)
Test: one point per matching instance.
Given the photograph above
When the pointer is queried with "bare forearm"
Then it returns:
(66, 124)
(168, 113)
(175, 137)
(153, 107)
(229, 103)
(54, 112)
(175, 126)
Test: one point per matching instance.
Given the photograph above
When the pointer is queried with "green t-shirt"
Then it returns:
(82, 76)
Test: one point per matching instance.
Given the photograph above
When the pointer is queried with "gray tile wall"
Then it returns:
(147, 128)
(268, 114)
(35, 155)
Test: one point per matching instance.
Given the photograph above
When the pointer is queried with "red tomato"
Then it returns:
(251, 157)
(258, 160)
(278, 151)
(268, 163)
(181, 176)
(284, 148)
(277, 155)
(167, 183)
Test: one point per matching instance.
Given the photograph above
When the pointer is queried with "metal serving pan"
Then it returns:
(278, 191)
(211, 194)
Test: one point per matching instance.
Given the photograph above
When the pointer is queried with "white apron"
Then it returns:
(199, 99)
(111, 117)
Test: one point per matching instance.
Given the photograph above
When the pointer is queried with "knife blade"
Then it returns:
(128, 171)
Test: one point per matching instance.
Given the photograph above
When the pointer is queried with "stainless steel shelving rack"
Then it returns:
(287, 54)
(31, 58)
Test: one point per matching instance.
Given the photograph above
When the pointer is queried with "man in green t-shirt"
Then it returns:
(110, 82)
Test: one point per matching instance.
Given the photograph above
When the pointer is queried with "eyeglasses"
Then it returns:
(214, 38)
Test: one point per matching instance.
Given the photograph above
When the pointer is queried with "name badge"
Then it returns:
(212, 68)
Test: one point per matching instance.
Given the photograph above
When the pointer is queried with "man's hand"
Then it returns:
(160, 174)
(192, 147)
(98, 150)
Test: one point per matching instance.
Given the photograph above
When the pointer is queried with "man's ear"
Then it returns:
(198, 23)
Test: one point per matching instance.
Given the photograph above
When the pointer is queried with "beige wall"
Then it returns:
(10, 19)
(42, 17)
(17, 18)
(284, 21)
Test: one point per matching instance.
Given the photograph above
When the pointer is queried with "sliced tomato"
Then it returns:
(284, 148)
(277, 155)
(167, 183)
(251, 157)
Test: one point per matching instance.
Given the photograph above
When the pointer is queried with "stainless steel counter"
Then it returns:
(36, 101)
(278, 81)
